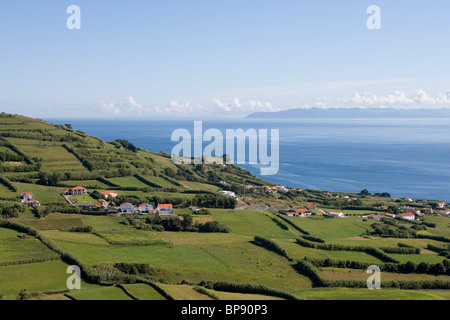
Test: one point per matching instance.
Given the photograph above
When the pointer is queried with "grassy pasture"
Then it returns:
(250, 223)
(44, 194)
(130, 237)
(143, 292)
(366, 294)
(48, 276)
(13, 248)
(129, 182)
(183, 292)
(93, 292)
(55, 221)
(351, 274)
(84, 199)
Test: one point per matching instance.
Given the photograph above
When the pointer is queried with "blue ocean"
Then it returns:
(405, 157)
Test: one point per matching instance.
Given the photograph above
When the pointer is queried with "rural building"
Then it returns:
(33, 203)
(292, 214)
(441, 205)
(336, 214)
(165, 209)
(407, 216)
(146, 208)
(375, 217)
(26, 196)
(126, 207)
(194, 209)
(109, 194)
(76, 191)
(391, 215)
(303, 213)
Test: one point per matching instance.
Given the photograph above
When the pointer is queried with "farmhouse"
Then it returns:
(441, 204)
(407, 216)
(76, 191)
(336, 214)
(165, 209)
(391, 215)
(26, 196)
(126, 207)
(375, 217)
(146, 208)
(108, 194)
(292, 214)
(33, 203)
(303, 213)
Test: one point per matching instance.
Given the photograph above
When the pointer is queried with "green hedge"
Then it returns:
(273, 246)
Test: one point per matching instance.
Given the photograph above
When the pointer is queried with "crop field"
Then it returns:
(16, 250)
(57, 159)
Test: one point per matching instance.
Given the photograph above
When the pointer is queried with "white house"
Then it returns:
(26, 196)
(292, 214)
(126, 207)
(165, 209)
(109, 194)
(407, 216)
(146, 208)
(441, 204)
(303, 213)
(76, 191)
(336, 214)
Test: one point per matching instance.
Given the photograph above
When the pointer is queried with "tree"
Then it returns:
(365, 192)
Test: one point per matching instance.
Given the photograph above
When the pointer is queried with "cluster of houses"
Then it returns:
(28, 199)
(407, 216)
(300, 213)
(145, 208)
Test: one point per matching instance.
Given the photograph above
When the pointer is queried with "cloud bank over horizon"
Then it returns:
(236, 107)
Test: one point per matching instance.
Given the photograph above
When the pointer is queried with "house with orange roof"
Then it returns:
(26, 196)
(407, 216)
(303, 213)
(165, 209)
(109, 194)
(292, 214)
(311, 205)
(336, 214)
(76, 191)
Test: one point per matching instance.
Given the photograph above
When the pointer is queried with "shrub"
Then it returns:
(273, 246)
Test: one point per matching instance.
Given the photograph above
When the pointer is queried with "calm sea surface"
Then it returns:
(405, 157)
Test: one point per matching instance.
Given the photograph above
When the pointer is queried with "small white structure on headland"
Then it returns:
(228, 193)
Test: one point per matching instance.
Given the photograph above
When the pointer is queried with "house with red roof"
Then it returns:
(76, 191)
(391, 215)
(109, 194)
(165, 209)
(336, 214)
(303, 213)
(26, 196)
(292, 214)
(407, 216)
(441, 204)
(311, 205)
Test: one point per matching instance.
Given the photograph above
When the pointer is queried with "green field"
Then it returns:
(143, 292)
(91, 292)
(130, 237)
(129, 182)
(44, 194)
(55, 222)
(84, 199)
(14, 249)
(43, 277)
(366, 294)
(250, 223)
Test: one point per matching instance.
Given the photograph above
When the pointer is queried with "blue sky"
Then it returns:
(200, 57)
